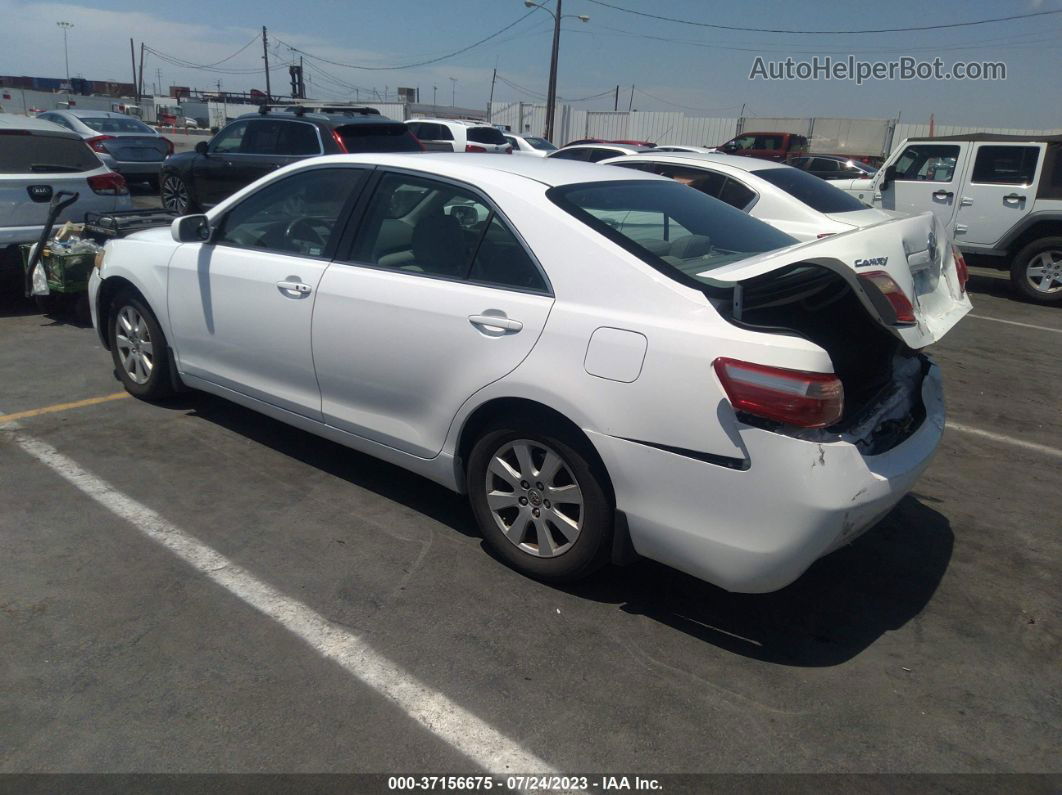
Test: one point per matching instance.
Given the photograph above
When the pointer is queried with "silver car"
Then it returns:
(128, 145)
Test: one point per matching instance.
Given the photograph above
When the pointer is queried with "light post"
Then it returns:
(66, 56)
(453, 92)
(551, 91)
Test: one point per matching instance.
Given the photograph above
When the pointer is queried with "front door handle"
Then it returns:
(942, 194)
(1013, 198)
(295, 287)
(500, 322)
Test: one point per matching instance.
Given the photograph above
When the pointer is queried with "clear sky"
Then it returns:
(673, 66)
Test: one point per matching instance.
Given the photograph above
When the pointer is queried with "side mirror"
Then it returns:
(191, 229)
(888, 177)
(201, 147)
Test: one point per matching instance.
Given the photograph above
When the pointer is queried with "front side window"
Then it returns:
(681, 232)
(299, 214)
(280, 137)
(744, 142)
(447, 231)
(1006, 165)
(809, 189)
(927, 163)
(229, 139)
(768, 142)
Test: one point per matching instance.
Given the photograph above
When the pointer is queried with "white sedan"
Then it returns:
(607, 362)
(794, 201)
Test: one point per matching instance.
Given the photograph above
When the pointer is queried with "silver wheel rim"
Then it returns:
(174, 194)
(133, 342)
(1044, 271)
(534, 498)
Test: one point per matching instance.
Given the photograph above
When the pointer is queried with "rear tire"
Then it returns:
(1036, 271)
(541, 502)
(176, 196)
(138, 349)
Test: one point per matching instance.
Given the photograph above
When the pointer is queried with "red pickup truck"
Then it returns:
(779, 146)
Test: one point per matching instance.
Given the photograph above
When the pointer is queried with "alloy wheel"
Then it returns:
(534, 498)
(1044, 271)
(174, 194)
(133, 341)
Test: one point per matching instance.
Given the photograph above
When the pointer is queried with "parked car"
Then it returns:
(459, 135)
(646, 144)
(38, 159)
(606, 361)
(685, 148)
(788, 199)
(998, 196)
(595, 153)
(257, 143)
(766, 145)
(137, 150)
(833, 167)
(529, 145)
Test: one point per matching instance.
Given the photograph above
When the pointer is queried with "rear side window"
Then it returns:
(680, 232)
(279, 137)
(809, 189)
(377, 138)
(1006, 165)
(22, 153)
(485, 135)
(597, 155)
(572, 154)
(106, 124)
(822, 164)
(736, 195)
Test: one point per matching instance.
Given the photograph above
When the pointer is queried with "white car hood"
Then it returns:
(914, 251)
(157, 234)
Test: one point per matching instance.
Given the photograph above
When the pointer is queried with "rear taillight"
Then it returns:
(96, 144)
(891, 291)
(960, 268)
(793, 397)
(109, 184)
(339, 142)
(169, 146)
(474, 148)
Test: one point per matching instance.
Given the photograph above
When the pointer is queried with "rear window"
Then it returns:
(540, 143)
(111, 125)
(378, 138)
(809, 189)
(672, 227)
(44, 154)
(486, 135)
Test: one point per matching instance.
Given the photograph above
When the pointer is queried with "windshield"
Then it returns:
(814, 192)
(109, 124)
(672, 227)
(486, 135)
(540, 143)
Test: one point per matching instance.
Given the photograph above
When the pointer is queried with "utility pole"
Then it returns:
(453, 92)
(265, 57)
(434, 91)
(631, 103)
(132, 57)
(551, 90)
(140, 85)
(615, 102)
(490, 102)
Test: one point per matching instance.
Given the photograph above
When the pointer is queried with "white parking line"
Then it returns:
(1016, 323)
(998, 437)
(454, 725)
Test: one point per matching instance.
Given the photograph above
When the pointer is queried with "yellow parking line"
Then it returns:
(77, 404)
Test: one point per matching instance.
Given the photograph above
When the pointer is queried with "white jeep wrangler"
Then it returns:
(999, 196)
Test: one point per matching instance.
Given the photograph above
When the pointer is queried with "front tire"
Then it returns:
(138, 349)
(1036, 271)
(541, 502)
(175, 195)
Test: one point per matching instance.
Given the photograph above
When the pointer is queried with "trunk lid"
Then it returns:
(859, 218)
(136, 148)
(914, 251)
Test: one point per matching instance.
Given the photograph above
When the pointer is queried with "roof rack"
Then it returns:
(302, 108)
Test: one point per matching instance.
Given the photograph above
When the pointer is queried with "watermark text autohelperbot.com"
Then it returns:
(851, 68)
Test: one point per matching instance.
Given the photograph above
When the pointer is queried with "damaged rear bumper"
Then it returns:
(757, 529)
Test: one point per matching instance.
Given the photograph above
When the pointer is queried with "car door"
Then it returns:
(213, 173)
(927, 176)
(437, 298)
(269, 144)
(999, 192)
(240, 306)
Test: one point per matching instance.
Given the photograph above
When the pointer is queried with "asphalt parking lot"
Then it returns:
(193, 587)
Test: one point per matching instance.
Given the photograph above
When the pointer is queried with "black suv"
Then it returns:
(257, 143)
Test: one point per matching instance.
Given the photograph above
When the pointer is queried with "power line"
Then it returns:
(474, 44)
(817, 32)
(677, 105)
(188, 64)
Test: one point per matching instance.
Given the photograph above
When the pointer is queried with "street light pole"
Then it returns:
(66, 55)
(453, 92)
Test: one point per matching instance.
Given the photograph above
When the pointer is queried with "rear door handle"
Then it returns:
(295, 287)
(495, 321)
(1013, 198)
